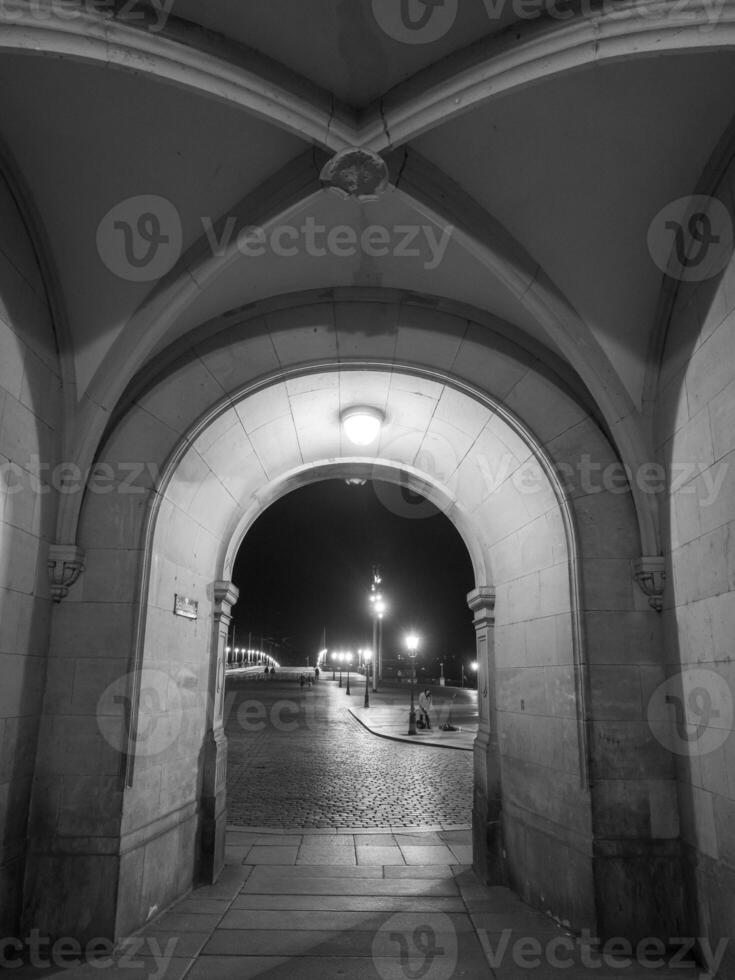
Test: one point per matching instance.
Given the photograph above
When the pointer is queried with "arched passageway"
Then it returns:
(305, 572)
(298, 754)
(535, 181)
(495, 444)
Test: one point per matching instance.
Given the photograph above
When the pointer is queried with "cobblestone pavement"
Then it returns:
(298, 759)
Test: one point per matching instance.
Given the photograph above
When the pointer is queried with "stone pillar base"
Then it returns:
(639, 888)
(487, 844)
(213, 814)
(72, 894)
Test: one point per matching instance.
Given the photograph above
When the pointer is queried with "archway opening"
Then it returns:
(305, 572)
(306, 565)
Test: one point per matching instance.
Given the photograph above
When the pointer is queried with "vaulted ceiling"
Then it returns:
(530, 154)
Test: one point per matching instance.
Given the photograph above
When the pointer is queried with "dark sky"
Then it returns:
(307, 564)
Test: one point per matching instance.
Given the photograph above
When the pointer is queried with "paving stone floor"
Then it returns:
(299, 759)
(356, 905)
(348, 900)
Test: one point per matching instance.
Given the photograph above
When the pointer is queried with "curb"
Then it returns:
(409, 738)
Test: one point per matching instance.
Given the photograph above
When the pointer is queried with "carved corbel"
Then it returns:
(65, 565)
(650, 574)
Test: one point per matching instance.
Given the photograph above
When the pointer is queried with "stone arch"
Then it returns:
(250, 450)
(402, 476)
(162, 536)
(693, 377)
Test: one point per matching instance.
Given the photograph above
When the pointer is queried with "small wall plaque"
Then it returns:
(188, 608)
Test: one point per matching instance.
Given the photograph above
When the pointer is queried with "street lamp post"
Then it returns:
(348, 658)
(334, 665)
(367, 654)
(375, 641)
(378, 607)
(341, 658)
(412, 642)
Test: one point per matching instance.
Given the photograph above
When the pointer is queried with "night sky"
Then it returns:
(306, 564)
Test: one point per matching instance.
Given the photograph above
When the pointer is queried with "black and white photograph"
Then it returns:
(367, 489)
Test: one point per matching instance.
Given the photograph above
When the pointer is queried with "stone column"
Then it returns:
(214, 797)
(487, 842)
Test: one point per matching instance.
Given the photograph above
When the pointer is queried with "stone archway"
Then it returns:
(438, 441)
(558, 560)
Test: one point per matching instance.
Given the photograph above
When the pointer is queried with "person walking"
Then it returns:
(425, 707)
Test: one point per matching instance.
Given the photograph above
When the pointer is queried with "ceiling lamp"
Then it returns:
(362, 424)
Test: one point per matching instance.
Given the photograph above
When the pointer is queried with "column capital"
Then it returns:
(650, 574)
(226, 595)
(482, 602)
(65, 565)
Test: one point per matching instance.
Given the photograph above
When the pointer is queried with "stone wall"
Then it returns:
(29, 412)
(695, 430)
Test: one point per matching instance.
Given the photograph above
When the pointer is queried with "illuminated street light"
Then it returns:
(377, 609)
(412, 644)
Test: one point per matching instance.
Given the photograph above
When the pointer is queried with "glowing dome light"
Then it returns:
(362, 424)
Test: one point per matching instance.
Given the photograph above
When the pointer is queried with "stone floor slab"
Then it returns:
(342, 921)
(137, 969)
(228, 884)
(416, 872)
(243, 968)
(379, 855)
(428, 854)
(346, 886)
(317, 871)
(272, 854)
(343, 857)
(326, 841)
(183, 944)
(199, 905)
(351, 903)
(271, 839)
(178, 922)
(462, 852)
(374, 840)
